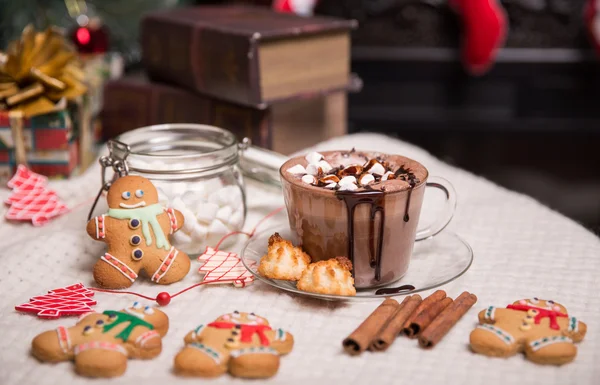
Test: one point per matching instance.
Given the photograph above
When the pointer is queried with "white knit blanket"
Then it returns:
(522, 249)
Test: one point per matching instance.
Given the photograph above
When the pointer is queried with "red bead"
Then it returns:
(163, 299)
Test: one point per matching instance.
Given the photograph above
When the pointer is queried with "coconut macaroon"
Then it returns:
(283, 260)
(332, 276)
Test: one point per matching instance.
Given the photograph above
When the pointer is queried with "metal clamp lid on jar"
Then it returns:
(147, 142)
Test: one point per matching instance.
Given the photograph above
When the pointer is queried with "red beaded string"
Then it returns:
(164, 298)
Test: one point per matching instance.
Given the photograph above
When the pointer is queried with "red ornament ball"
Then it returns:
(163, 299)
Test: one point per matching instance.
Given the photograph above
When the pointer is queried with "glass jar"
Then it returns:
(196, 170)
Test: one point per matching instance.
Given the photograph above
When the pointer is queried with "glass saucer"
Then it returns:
(435, 262)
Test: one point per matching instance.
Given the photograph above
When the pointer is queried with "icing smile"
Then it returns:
(135, 206)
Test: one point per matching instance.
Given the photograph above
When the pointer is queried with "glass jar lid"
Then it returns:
(171, 150)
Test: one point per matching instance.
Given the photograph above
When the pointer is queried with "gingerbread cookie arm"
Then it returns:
(490, 314)
(195, 335)
(280, 340)
(575, 329)
(96, 228)
(176, 219)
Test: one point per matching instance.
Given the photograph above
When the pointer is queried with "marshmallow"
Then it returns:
(207, 212)
(217, 229)
(190, 198)
(312, 169)
(313, 157)
(376, 168)
(386, 176)
(348, 187)
(326, 167)
(347, 180)
(297, 170)
(199, 233)
(365, 179)
(189, 219)
(224, 214)
(182, 238)
(309, 179)
(331, 185)
(236, 220)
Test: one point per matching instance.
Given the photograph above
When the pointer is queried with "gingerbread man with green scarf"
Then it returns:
(136, 229)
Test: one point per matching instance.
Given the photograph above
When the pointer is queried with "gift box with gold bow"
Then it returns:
(45, 120)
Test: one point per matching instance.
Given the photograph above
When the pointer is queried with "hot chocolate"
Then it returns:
(381, 194)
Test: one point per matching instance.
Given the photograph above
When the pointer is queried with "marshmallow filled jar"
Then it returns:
(195, 169)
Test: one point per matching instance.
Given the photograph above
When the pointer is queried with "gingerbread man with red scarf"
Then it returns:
(542, 329)
(242, 344)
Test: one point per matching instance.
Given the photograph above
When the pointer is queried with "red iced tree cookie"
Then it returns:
(71, 300)
(484, 29)
(225, 267)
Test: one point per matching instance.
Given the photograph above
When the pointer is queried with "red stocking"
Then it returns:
(484, 29)
(299, 7)
(592, 22)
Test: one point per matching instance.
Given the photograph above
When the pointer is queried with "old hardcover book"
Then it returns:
(134, 101)
(244, 54)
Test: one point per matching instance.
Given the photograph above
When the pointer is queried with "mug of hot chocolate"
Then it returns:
(363, 205)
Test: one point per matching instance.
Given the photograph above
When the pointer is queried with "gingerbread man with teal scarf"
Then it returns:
(136, 229)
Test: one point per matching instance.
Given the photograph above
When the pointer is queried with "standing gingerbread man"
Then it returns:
(243, 344)
(136, 229)
(542, 329)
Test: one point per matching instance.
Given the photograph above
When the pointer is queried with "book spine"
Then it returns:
(210, 62)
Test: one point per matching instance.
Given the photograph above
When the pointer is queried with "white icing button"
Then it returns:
(207, 212)
(297, 170)
(313, 157)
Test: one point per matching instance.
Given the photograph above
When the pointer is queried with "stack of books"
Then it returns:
(280, 79)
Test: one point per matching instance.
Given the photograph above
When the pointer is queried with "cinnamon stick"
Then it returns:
(389, 332)
(446, 320)
(427, 316)
(361, 338)
(438, 295)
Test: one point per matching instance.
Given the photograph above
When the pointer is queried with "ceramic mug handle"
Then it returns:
(447, 213)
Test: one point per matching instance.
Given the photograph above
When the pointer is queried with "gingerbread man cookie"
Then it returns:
(242, 344)
(100, 343)
(136, 229)
(542, 329)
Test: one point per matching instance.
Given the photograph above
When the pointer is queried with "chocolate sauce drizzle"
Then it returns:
(376, 200)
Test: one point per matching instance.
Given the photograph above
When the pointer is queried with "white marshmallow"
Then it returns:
(377, 169)
(199, 233)
(309, 179)
(224, 214)
(191, 199)
(331, 185)
(189, 219)
(365, 180)
(181, 238)
(326, 167)
(385, 176)
(313, 157)
(347, 180)
(207, 212)
(178, 188)
(217, 229)
(297, 170)
(236, 219)
(312, 169)
(348, 187)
